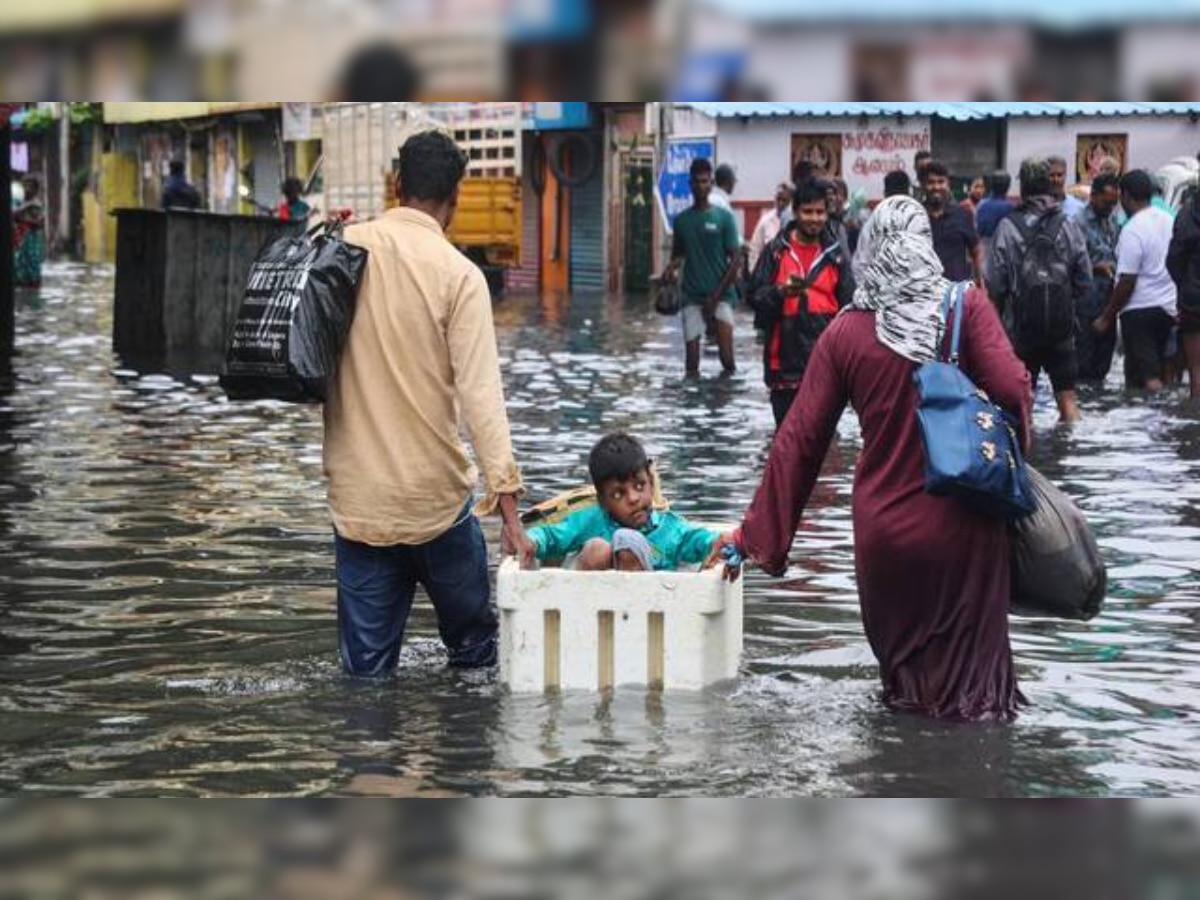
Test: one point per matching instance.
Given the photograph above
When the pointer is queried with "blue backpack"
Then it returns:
(971, 446)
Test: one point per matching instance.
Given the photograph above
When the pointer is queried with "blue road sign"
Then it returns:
(674, 183)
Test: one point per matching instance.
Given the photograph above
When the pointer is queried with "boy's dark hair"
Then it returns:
(700, 166)
(802, 170)
(897, 184)
(936, 167)
(1138, 185)
(616, 456)
(176, 167)
(999, 183)
(1103, 182)
(431, 166)
(811, 190)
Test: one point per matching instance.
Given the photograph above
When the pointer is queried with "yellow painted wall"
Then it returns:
(117, 189)
(306, 155)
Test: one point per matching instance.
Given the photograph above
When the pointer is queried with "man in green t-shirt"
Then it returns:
(708, 248)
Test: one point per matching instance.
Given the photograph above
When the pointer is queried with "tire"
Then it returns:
(578, 150)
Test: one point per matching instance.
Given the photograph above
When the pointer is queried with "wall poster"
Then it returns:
(824, 151)
(1092, 149)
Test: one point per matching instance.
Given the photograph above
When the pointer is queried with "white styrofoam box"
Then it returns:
(562, 629)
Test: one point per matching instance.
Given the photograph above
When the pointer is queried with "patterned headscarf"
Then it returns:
(903, 280)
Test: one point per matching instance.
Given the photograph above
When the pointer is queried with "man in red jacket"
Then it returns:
(800, 283)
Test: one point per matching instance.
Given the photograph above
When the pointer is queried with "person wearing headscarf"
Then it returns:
(29, 236)
(933, 573)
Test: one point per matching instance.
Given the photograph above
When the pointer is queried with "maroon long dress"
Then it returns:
(933, 576)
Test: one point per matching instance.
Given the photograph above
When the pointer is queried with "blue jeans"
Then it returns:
(375, 594)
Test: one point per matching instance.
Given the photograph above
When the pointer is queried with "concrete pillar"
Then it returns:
(7, 290)
(65, 232)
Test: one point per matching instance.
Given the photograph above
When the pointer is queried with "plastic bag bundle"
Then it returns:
(294, 318)
(667, 297)
(1057, 570)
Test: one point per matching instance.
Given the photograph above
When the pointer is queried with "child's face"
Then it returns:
(629, 500)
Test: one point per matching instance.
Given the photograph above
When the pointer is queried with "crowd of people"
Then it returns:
(847, 310)
(847, 307)
(933, 575)
(1066, 275)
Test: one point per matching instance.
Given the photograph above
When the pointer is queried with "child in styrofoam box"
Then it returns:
(623, 530)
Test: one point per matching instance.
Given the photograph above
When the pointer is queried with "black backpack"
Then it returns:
(1044, 308)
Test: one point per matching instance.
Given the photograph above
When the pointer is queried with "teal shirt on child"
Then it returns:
(672, 539)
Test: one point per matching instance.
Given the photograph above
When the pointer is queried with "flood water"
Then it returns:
(167, 606)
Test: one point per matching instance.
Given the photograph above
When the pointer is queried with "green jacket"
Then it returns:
(672, 539)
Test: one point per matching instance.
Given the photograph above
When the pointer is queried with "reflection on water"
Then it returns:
(167, 623)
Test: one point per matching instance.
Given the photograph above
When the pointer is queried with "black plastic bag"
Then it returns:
(1057, 570)
(668, 300)
(294, 318)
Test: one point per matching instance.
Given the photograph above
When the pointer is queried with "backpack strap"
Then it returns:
(1043, 222)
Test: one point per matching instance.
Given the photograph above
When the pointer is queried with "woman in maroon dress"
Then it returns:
(933, 575)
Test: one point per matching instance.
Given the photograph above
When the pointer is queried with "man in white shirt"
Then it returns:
(1071, 206)
(1145, 295)
(724, 182)
(770, 223)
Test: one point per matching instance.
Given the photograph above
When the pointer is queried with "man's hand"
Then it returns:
(515, 542)
(513, 539)
(1106, 270)
(1102, 324)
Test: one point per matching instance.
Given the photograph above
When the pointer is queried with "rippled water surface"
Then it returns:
(167, 622)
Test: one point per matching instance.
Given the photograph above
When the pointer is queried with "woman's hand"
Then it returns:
(726, 551)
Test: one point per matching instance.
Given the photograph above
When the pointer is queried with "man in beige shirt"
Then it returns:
(420, 361)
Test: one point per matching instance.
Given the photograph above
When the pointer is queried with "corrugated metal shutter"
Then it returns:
(268, 171)
(587, 231)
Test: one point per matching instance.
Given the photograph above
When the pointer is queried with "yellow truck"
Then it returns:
(360, 143)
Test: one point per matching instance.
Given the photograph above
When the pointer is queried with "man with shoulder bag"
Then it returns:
(420, 368)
